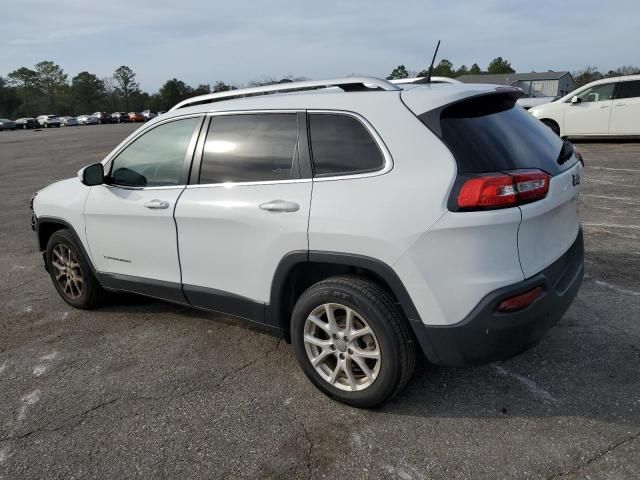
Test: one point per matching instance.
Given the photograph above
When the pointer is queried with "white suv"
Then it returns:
(363, 221)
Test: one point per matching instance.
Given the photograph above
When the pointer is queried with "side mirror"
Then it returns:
(92, 175)
(575, 99)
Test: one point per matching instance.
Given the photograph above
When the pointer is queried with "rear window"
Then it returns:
(490, 133)
(341, 145)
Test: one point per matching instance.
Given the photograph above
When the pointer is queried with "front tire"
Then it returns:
(70, 271)
(352, 341)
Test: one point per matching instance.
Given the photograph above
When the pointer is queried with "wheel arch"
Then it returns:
(47, 226)
(548, 120)
(297, 271)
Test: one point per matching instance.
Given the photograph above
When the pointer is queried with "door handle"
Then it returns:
(620, 104)
(157, 204)
(280, 206)
(605, 106)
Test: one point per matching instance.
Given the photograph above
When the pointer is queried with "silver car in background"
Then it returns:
(87, 120)
(69, 121)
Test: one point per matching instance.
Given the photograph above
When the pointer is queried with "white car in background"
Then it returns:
(87, 120)
(608, 107)
(68, 121)
(47, 121)
(524, 102)
(149, 115)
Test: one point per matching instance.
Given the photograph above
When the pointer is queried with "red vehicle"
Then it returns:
(136, 117)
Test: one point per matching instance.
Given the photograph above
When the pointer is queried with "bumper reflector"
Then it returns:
(520, 301)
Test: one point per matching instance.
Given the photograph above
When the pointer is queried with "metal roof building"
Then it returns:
(534, 84)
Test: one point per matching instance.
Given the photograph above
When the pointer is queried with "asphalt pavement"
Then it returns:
(145, 389)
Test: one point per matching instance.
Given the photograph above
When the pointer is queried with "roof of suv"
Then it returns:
(428, 96)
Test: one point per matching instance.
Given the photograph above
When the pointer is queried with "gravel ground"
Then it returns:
(142, 388)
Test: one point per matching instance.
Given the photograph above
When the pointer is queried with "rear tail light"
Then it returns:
(520, 301)
(502, 190)
(578, 155)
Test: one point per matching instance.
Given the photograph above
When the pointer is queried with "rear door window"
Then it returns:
(342, 145)
(491, 133)
(251, 148)
(629, 89)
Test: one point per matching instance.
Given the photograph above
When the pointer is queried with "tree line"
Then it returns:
(499, 65)
(46, 88)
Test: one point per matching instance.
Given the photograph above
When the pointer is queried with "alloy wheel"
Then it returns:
(67, 271)
(342, 347)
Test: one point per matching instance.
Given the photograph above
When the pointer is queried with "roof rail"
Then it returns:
(348, 84)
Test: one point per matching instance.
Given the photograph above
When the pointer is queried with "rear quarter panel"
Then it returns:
(380, 216)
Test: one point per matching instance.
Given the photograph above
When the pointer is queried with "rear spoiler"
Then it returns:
(432, 118)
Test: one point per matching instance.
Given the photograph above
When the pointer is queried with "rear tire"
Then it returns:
(352, 341)
(555, 128)
(70, 271)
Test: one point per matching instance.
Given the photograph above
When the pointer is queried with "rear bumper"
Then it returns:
(486, 335)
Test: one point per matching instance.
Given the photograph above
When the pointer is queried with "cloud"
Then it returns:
(200, 41)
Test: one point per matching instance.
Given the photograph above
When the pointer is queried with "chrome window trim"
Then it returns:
(293, 111)
(386, 168)
(388, 160)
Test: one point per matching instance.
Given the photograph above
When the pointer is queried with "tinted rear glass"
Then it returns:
(251, 148)
(341, 145)
(490, 134)
(629, 89)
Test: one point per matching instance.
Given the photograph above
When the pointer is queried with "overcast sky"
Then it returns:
(201, 41)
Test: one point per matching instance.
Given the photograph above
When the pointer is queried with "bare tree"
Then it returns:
(126, 80)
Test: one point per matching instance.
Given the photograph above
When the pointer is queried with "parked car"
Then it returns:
(27, 122)
(457, 233)
(68, 121)
(87, 120)
(6, 124)
(148, 115)
(120, 117)
(103, 117)
(604, 108)
(47, 121)
(136, 117)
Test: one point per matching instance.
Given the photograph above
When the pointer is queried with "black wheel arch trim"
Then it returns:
(379, 268)
(65, 224)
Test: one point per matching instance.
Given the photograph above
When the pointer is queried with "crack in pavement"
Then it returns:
(80, 416)
(309, 450)
(596, 457)
(43, 428)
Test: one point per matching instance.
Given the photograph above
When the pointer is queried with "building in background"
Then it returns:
(534, 84)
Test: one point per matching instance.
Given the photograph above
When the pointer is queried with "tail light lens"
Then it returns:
(503, 190)
(521, 301)
(578, 155)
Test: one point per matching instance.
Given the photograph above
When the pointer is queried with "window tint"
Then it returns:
(156, 158)
(250, 148)
(491, 133)
(629, 89)
(597, 93)
(342, 145)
